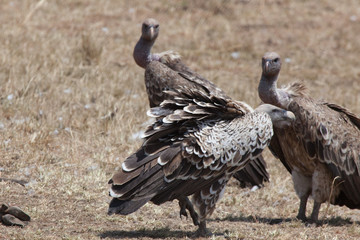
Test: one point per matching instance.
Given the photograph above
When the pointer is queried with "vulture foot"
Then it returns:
(184, 204)
(202, 230)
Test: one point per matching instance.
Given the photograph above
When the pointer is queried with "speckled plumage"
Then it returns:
(174, 73)
(321, 149)
(198, 142)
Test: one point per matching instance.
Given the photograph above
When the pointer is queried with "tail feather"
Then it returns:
(137, 160)
(125, 207)
(127, 189)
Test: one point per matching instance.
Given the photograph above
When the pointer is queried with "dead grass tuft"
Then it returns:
(90, 51)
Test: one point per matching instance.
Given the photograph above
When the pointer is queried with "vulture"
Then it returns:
(321, 149)
(255, 173)
(196, 144)
(143, 56)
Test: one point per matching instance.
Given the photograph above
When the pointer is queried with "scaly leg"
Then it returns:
(315, 212)
(202, 230)
(184, 204)
(302, 209)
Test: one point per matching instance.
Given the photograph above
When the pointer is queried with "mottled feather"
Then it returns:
(322, 145)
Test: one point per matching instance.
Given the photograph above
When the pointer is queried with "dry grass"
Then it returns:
(71, 103)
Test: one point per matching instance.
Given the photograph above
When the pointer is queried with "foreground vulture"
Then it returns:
(254, 174)
(322, 148)
(196, 144)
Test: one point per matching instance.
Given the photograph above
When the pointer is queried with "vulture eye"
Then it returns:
(157, 26)
(276, 60)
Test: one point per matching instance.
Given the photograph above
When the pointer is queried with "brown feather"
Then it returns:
(173, 164)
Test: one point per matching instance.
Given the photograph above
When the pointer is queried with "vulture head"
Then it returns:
(142, 51)
(271, 64)
(150, 29)
(279, 117)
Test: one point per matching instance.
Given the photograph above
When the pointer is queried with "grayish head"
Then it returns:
(271, 64)
(279, 117)
(142, 51)
(150, 29)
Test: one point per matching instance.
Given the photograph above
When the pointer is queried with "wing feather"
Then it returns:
(191, 147)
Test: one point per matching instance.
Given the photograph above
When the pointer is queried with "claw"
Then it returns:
(185, 204)
(183, 211)
(202, 231)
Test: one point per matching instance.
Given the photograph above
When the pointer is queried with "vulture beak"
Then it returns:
(267, 65)
(152, 32)
(285, 119)
(290, 115)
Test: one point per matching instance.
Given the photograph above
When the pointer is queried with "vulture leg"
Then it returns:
(315, 212)
(184, 204)
(302, 209)
(322, 189)
(302, 185)
(202, 230)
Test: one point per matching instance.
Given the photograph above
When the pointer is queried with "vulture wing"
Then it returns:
(197, 143)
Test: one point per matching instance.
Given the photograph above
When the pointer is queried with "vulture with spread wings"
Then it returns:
(197, 143)
(322, 148)
(254, 173)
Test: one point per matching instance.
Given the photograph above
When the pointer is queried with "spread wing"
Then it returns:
(332, 134)
(197, 141)
(170, 74)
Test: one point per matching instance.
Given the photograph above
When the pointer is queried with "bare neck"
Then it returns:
(142, 52)
(269, 93)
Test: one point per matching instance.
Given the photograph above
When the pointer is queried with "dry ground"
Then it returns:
(72, 102)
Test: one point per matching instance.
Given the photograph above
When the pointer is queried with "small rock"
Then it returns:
(67, 91)
(235, 55)
(10, 220)
(254, 188)
(17, 212)
(105, 29)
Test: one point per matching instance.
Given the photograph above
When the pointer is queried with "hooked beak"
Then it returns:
(290, 115)
(267, 65)
(152, 32)
(287, 119)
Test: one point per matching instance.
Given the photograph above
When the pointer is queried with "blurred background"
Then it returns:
(73, 106)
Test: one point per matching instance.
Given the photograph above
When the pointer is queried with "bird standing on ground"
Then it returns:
(143, 57)
(321, 150)
(254, 173)
(195, 146)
